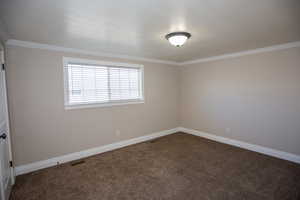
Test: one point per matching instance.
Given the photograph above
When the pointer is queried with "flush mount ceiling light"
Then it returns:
(178, 38)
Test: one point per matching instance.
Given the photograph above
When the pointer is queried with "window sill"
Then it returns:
(97, 105)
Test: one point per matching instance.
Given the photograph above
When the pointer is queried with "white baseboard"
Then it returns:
(23, 169)
(260, 149)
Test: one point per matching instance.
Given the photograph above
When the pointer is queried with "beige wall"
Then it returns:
(42, 129)
(254, 98)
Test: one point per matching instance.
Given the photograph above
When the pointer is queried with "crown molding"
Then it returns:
(243, 53)
(35, 45)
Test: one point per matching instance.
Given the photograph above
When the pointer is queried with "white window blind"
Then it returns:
(102, 83)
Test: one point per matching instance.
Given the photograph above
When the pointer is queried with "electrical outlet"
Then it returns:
(118, 133)
(228, 130)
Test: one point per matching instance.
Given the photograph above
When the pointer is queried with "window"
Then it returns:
(93, 83)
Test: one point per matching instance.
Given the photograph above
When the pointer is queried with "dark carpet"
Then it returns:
(177, 167)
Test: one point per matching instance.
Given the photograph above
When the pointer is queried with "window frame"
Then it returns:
(68, 106)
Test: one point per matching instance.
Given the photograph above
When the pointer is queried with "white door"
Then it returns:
(6, 171)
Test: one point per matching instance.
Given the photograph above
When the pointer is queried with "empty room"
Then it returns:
(150, 100)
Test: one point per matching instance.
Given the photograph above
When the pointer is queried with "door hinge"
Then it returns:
(11, 163)
(3, 67)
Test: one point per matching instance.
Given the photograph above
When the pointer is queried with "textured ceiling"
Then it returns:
(138, 27)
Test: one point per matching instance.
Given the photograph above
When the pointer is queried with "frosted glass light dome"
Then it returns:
(178, 38)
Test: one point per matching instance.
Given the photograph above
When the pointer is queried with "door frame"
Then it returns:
(2, 62)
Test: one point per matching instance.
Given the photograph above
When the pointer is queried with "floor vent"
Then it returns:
(78, 162)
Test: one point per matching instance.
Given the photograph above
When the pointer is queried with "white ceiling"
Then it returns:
(138, 27)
